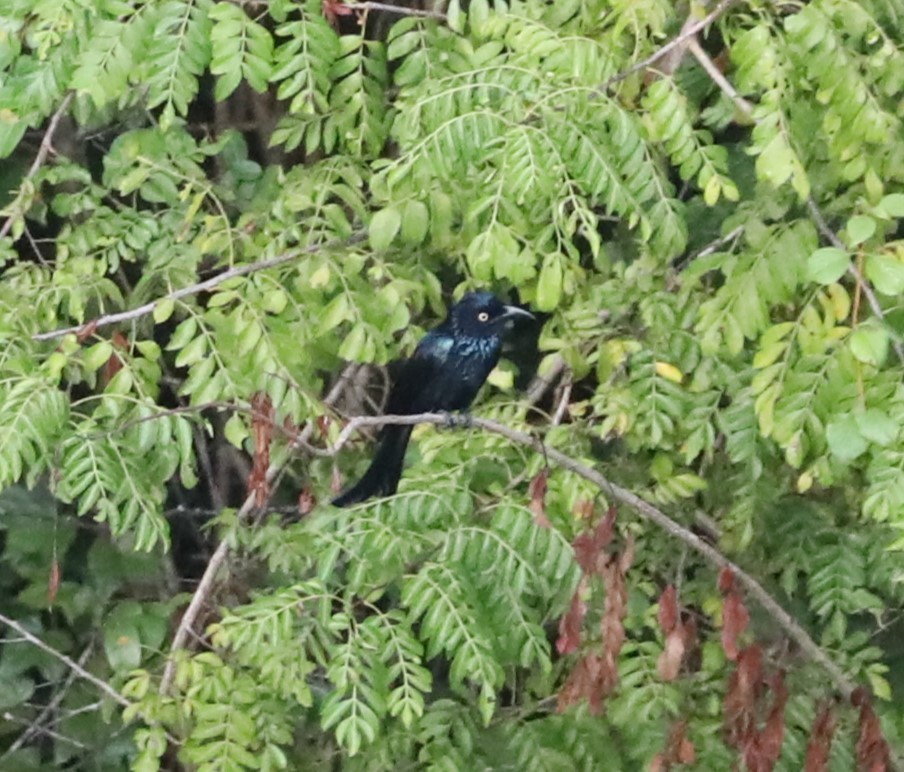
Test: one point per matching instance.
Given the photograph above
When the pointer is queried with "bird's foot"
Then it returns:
(458, 420)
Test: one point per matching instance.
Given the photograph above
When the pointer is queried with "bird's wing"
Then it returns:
(419, 376)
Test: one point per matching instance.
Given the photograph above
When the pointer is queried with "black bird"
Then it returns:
(445, 372)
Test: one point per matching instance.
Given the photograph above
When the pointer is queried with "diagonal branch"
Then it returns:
(687, 32)
(201, 286)
(74, 666)
(643, 508)
(43, 152)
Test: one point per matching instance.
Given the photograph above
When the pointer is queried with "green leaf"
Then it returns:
(893, 204)
(886, 273)
(163, 310)
(844, 439)
(859, 229)
(384, 226)
(549, 284)
(869, 344)
(877, 426)
(827, 265)
(415, 222)
(96, 356)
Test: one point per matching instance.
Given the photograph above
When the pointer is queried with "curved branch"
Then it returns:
(642, 507)
(647, 511)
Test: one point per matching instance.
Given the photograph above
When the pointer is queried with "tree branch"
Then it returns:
(718, 78)
(194, 289)
(68, 661)
(367, 5)
(832, 237)
(643, 508)
(208, 580)
(687, 32)
(43, 152)
(37, 725)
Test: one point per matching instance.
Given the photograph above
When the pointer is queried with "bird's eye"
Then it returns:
(483, 316)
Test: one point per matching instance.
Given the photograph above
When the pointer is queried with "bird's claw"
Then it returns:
(455, 420)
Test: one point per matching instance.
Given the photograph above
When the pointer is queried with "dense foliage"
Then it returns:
(270, 191)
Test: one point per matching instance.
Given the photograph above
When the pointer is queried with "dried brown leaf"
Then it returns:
(820, 744)
(570, 625)
(734, 622)
(668, 609)
(873, 754)
(537, 492)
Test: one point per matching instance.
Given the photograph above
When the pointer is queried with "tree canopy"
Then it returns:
(671, 537)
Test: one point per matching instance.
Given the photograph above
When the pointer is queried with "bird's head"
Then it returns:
(483, 315)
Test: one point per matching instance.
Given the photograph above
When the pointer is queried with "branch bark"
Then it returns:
(647, 511)
(74, 666)
(202, 286)
(687, 32)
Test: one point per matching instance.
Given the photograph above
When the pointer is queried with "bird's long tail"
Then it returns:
(382, 476)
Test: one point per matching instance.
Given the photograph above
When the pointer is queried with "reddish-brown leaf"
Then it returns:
(678, 749)
(262, 415)
(335, 480)
(589, 546)
(820, 743)
(570, 624)
(668, 609)
(734, 622)
(53, 581)
(873, 754)
(323, 425)
(86, 331)
(583, 509)
(744, 686)
(537, 492)
(114, 364)
(333, 9)
(615, 608)
(669, 663)
(306, 501)
(762, 753)
(726, 580)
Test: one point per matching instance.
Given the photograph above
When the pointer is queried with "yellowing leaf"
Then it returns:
(670, 372)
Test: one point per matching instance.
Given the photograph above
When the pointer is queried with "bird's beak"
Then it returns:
(512, 311)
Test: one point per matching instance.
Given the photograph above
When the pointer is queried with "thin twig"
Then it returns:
(562, 407)
(542, 383)
(43, 152)
(68, 661)
(206, 585)
(718, 78)
(832, 237)
(646, 510)
(733, 235)
(372, 6)
(194, 289)
(7, 716)
(681, 39)
(35, 726)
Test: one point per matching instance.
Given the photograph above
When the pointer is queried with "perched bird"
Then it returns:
(445, 372)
